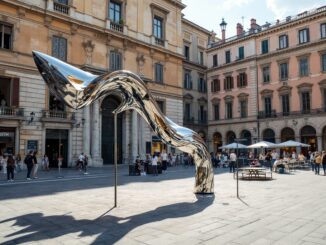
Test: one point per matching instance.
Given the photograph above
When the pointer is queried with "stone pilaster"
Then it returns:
(134, 144)
(96, 157)
(87, 134)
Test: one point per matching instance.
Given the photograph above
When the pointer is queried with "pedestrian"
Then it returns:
(154, 164)
(29, 163)
(324, 162)
(311, 160)
(233, 159)
(81, 160)
(35, 166)
(268, 159)
(45, 163)
(10, 168)
(318, 161)
(164, 158)
(18, 160)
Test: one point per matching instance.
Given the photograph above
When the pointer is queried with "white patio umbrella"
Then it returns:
(263, 144)
(233, 146)
(292, 143)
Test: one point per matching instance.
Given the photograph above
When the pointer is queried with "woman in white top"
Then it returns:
(154, 164)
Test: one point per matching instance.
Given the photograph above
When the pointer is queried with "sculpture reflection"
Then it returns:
(78, 88)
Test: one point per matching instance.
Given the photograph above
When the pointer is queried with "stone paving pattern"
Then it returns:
(77, 209)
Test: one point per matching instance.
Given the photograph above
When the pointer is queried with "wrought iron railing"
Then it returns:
(159, 41)
(60, 7)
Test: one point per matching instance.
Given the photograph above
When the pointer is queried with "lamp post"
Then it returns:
(115, 158)
(223, 27)
(237, 141)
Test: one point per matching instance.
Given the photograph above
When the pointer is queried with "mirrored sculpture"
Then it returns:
(78, 88)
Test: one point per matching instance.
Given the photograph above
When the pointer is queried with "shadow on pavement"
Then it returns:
(110, 229)
(52, 185)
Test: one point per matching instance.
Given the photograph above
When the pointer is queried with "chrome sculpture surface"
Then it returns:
(78, 88)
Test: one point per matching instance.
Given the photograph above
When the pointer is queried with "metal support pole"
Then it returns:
(115, 160)
(237, 173)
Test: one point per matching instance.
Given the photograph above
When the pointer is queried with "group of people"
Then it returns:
(11, 164)
(82, 163)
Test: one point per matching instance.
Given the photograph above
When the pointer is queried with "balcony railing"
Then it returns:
(60, 116)
(116, 27)
(159, 41)
(6, 111)
(274, 114)
(192, 121)
(60, 7)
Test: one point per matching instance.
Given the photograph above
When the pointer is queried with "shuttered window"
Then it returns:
(59, 48)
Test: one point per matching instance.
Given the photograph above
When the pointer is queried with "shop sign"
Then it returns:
(4, 134)
(32, 145)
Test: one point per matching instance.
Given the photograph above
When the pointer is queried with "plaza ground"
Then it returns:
(162, 209)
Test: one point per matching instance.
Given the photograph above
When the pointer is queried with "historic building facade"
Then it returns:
(269, 83)
(195, 41)
(97, 36)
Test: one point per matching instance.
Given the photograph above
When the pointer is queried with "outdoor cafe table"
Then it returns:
(254, 172)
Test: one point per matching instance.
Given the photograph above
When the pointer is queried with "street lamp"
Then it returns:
(223, 27)
(237, 141)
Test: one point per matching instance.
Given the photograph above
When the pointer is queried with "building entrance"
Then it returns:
(110, 103)
(57, 145)
(7, 141)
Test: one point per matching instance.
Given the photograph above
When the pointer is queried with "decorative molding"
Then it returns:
(89, 48)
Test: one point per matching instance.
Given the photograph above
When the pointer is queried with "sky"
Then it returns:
(209, 13)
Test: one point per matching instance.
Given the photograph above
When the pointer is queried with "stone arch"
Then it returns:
(230, 136)
(287, 134)
(269, 135)
(217, 141)
(308, 136)
(245, 134)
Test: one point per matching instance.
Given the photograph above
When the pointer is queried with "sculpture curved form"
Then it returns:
(78, 88)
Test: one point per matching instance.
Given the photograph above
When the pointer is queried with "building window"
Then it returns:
(158, 27)
(305, 96)
(323, 30)
(187, 80)
(5, 36)
(187, 111)
(115, 61)
(215, 85)
(283, 71)
(228, 57)
(215, 63)
(243, 109)
(160, 104)
(228, 83)
(304, 35)
(61, 6)
(201, 57)
(55, 104)
(285, 105)
(242, 80)
(228, 107)
(323, 62)
(266, 74)
(268, 106)
(303, 67)
(115, 12)
(202, 85)
(283, 41)
(216, 112)
(59, 48)
(264, 47)
(202, 115)
(241, 53)
(186, 52)
(158, 73)
(324, 99)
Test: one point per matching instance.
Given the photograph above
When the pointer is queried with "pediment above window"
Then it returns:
(229, 98)
(284, 90)
(303, 87)
(266, 92)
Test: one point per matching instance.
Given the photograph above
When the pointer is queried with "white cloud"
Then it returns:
(229, 4)
(279, 10)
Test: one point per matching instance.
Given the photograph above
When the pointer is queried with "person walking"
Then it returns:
(324, 162)
(164, 157)
(10, 168)
(18, 160)
(233, 159)
(45, 163)
(29, 163)
(318, 161)
(154, 164)
(35, 166)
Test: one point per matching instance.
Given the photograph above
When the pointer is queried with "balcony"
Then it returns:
(159, 41)
(58, 116)
(61, 8)
(11, 113)
(263, 114)
(274, 114)
(116, 27)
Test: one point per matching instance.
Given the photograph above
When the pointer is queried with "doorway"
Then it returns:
(110, 103)
(57, 144)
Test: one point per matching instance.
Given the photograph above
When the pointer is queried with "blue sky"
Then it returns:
(209, 13)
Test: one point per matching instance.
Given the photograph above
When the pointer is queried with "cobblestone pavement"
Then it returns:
(78, 209)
